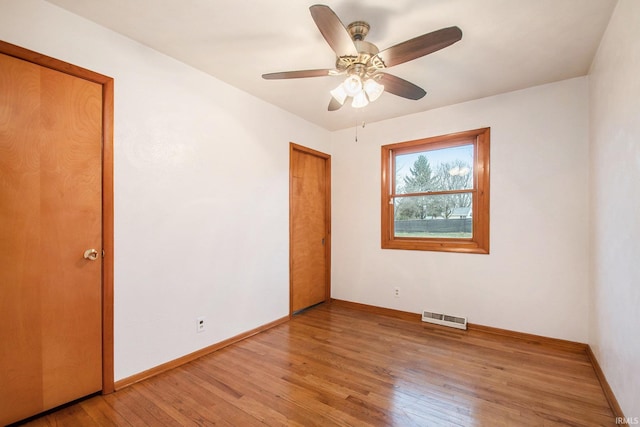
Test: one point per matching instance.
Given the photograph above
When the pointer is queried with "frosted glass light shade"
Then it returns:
(360, 100)
(339, 94)
(373, 89)
(352, 85)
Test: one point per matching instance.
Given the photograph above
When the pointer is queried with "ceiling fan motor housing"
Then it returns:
(358, 30)
(366, 64)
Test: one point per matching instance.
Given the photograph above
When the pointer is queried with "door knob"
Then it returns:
(91, 254)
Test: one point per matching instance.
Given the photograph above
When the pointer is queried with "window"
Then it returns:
(435, 193)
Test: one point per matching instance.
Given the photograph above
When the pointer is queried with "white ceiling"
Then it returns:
(506, 45)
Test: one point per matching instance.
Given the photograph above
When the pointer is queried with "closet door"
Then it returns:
(50, 238)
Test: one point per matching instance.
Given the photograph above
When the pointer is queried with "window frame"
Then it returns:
(479, 242)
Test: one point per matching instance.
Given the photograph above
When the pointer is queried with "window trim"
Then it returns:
(479, 242)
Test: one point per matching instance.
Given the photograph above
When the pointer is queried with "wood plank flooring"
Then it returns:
(336, 365)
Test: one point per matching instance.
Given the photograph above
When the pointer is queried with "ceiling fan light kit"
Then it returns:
(339, 94)
(360, 100)
(352, 85)
(373, 89)
(361, 91)
(362, 62)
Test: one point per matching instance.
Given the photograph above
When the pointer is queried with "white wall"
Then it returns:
(535, 279)
(201, 190)
(615, 205)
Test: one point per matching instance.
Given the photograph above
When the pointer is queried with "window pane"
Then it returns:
(442, 216)
(435, 170)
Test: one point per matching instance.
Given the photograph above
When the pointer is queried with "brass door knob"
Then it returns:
(91, 254)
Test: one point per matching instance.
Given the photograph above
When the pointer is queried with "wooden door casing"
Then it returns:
(310, 236)
(53, 116)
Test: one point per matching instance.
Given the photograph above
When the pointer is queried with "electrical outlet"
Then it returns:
(200, 324)
(396, 292)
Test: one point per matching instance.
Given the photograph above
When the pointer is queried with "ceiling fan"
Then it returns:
(363, 63)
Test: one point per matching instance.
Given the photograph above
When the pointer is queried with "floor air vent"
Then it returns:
(444, 319)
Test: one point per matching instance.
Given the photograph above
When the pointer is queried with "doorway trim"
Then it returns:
(327, 220)
(107, 191)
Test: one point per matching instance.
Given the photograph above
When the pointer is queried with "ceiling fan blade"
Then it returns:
(297, 74)
(420, 46)
(401, 87)
(333, 31)
(334, 104)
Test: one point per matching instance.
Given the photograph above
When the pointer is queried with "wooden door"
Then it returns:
(310, 213)
(50, 213)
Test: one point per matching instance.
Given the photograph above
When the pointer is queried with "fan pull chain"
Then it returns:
(358, 112)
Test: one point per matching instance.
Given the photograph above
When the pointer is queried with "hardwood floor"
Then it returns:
(336, 365)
